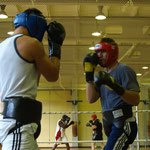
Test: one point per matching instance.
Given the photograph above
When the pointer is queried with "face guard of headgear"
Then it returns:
(112, 52)
(65, 118)
(94, 117)
(35, 24)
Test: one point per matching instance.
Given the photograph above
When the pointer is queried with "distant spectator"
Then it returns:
(97, 130)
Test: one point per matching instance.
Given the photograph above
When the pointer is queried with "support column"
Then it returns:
(145, 115)
(75, 115)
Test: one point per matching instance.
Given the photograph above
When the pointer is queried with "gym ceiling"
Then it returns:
(127, 22)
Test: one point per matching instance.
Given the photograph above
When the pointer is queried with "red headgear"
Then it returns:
(94, 117)
(111, 49)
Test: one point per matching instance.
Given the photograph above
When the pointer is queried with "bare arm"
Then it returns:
(91, 93)
(32, 50)
(131, 97)
(48, 67)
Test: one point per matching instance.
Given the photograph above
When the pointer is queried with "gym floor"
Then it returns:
(98, 148)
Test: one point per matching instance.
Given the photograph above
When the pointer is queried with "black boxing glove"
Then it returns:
(107, 79)
(68, 119)
(89, 63)
(56, 35)
(88, 124)
(91, 121)
(71, 122)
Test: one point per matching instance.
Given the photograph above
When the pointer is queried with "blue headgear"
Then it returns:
(35, 24)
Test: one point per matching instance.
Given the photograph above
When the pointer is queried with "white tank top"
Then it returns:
(59, 128)
(18, 77)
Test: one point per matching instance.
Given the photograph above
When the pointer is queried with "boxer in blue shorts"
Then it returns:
(118, 90)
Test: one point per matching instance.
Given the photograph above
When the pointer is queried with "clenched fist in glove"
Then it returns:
(105, 78)
(89, 63)
(56, 36)
(88, 124)
(71, 122)
(91, 121)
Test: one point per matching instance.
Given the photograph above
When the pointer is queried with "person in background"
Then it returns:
(97, 130)
(60, 135)
(22, 61)
(118, 90)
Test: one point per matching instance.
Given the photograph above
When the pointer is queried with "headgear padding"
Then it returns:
(94, 117)
(65, 118)
(111, 49)
(35, 24)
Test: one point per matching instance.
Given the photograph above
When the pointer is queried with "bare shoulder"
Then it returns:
(29, 47)
(33, 50)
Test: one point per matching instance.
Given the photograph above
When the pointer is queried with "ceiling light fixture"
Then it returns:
(100, 15)
(96, 33)
(10, 32)
(138, 74)
(145, 67)
(3, 14)
(91, 48)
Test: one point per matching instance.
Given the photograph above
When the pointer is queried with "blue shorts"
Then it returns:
(121, 138)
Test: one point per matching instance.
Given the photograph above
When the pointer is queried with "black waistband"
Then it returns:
(125, 110)
(118, 115)
(24, 110)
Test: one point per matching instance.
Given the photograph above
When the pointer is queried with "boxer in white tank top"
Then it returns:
(22, 61)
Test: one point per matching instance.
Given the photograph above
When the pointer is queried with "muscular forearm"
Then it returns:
(131, 97)
(55, 62)
(56, 66)
(91, 93)
(66, 126)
